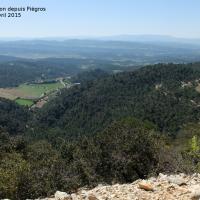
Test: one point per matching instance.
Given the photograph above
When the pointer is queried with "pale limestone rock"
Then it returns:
(162, 177)
(62, 196)
(74, 196)
(164, 187)
(177, 179)
(145, 186)
(195, 190)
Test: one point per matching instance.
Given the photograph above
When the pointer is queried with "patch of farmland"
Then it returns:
(29, 91)
(24, 102)
(37, 90)
(7, 94)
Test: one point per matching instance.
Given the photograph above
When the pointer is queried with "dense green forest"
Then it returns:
(15, 72)
(154, 93)
(109, 129)
(13, 118)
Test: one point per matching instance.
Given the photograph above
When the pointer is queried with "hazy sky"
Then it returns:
(104, 17)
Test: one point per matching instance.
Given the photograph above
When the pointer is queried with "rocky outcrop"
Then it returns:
(164, 187)
(62, 196)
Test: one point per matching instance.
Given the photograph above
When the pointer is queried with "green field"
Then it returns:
(25, 94)
(37, 90)
(29, 91)
(24, 102)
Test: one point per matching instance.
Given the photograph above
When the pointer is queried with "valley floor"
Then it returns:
(164, 187)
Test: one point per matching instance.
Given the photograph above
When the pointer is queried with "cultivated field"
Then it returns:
(29, 91)
(25, 94)
(24, 102)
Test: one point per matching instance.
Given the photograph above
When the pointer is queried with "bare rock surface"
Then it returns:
(164, 187)
(62, 196)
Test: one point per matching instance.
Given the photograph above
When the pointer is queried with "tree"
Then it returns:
(12, 168)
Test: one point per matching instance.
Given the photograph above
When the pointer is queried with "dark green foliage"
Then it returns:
(46, 169)
(13, 118)
(89, 134)
(123, 152)
(89, 76)
(17, 72)
(92, 106)
(21, 71)
(13, 170)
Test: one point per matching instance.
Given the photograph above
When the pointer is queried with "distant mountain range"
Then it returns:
(151, 38)
(8, 58)
(140, 50)
(123, 37)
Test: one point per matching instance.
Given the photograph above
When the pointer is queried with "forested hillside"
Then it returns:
(13, 118)
(20, 71)
(162, 94)
(109, 129)
(31, 168)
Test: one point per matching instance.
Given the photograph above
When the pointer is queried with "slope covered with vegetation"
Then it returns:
(109, 129)
(26, 70)
(162, 94)
(13, 118)
(18, 72)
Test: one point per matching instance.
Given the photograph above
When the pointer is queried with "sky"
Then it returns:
(66, 18)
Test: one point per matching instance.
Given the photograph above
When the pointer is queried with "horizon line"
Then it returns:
(99, 36)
